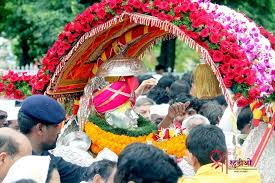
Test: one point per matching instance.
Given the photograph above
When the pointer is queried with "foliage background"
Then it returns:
(33, 26)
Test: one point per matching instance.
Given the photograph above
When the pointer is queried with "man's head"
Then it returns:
(3, 118)
(142, 107)
(13, 145)
(141, 163)
(213, 111)
(101, 172)
(202, 141)
(39, 119)
(160, 69)
(192, 121)
(244, 120)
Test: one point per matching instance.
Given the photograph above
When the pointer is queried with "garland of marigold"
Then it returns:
(101, 139)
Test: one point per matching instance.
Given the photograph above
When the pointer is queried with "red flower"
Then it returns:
(177, 9)
(5, 77)
(242, 102)
(162, 16)
(169, 18)
(239, 79)
(8, 93)
(18, 94)
(78, 27)
(51, 68)
(185, 7)
(39, 85)
(215, 37)
(227, 82)
(194, 35)
(14, 78)
(101, 13)
(238, 95)
(69, 27)
(225, 46)
(253, 93)
(26, 78)
(231, 39)
(51, 53)
(61, 51)
(112, 4)
(217, 56)
(10, 87)
(225, 68)
(119, 11)
(194, 7)
(86, 27)
(204, 32)
(128, 9)
(250, 80)
(2, 87)
(88, 15)
(145, 8)
(164, 5)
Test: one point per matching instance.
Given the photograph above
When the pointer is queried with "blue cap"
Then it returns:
(43, 109)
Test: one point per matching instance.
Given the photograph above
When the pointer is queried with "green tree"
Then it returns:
(35, 24)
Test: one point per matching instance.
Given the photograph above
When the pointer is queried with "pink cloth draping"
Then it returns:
(111, 97)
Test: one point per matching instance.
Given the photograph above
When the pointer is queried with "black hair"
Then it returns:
(142, 78)
(166, 81)
(104, 168)
(203, 140)
(187, 77)
(25, 123)
(244, 118)
(160, 67)
(3, 114)
(221, 100)
(195, 103)
(159, 95)
(212, 111)
(179, 87)
(8, 145)
(25, 181)
(143, 163)
(52, 167)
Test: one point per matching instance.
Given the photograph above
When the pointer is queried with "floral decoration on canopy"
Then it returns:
(230, 58)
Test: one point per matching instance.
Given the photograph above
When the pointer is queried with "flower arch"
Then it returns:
(95, 34)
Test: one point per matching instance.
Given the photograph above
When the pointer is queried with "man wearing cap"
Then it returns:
(39, 119)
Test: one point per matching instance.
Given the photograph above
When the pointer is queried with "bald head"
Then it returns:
(13, 145)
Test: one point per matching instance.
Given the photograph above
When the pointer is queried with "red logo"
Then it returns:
(219, 163)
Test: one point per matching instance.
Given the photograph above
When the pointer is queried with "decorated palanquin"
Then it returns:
(239, 52)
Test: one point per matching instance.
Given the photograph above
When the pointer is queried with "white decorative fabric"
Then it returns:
(186, 168)
(29, 167)
(74, 155)
(107, 154)
(266, 164)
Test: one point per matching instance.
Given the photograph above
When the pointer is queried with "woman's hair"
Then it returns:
(104, 168)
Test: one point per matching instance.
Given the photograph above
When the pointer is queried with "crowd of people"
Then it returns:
(25, 154)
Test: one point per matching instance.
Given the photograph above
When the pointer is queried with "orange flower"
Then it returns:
(116, 143)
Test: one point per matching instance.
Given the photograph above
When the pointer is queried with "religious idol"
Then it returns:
(116, 101)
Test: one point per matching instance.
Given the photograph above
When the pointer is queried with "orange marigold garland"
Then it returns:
(101, 139)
